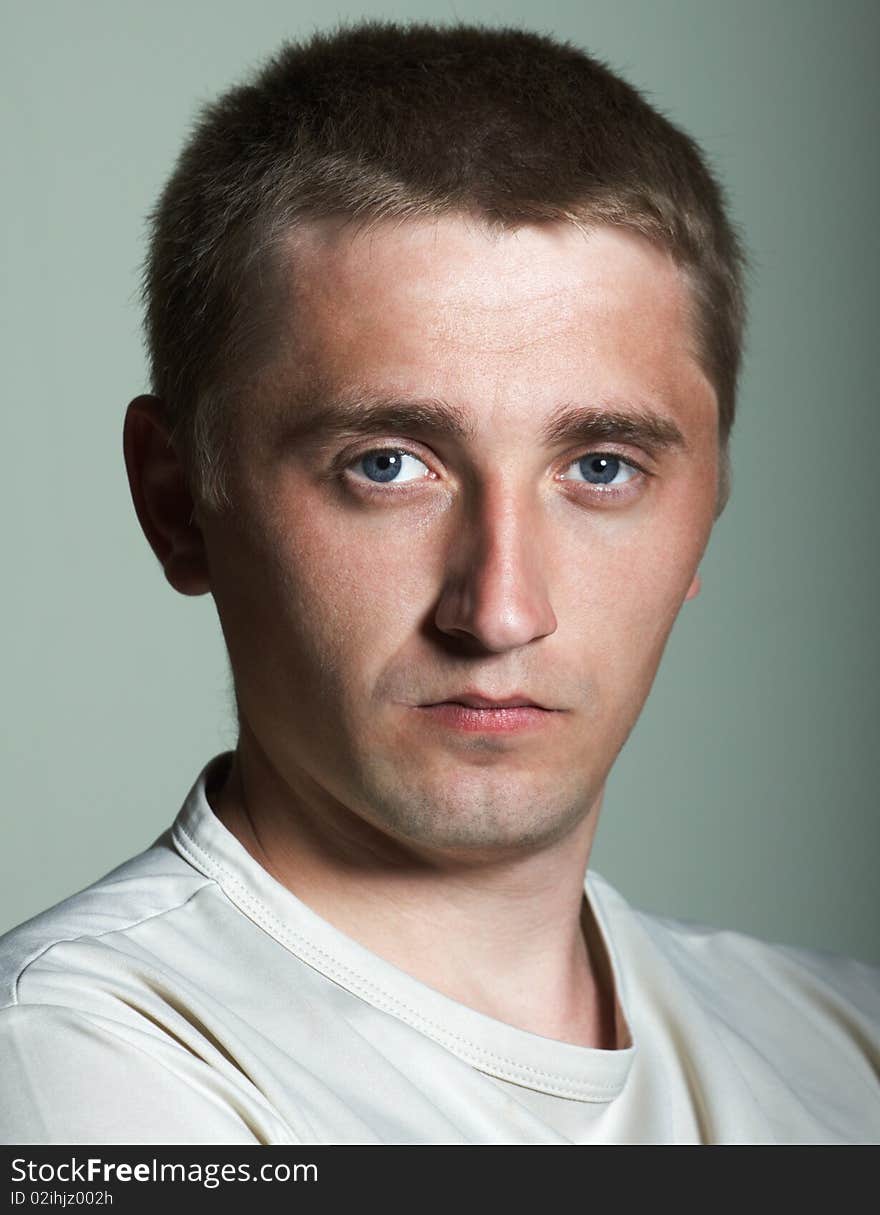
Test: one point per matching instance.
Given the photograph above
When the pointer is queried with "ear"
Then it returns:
(164, 505)
(694, 589)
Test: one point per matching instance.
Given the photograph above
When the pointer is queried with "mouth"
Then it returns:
(476, 700)
(475, 713)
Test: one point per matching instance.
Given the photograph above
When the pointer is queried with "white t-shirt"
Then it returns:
(189, 998)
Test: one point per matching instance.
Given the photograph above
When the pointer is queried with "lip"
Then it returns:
(476, 700)
(476, 714)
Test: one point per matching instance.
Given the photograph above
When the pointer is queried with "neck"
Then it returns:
(513, 938)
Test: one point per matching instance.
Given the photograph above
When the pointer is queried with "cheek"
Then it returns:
(629, 587)
(343, 590)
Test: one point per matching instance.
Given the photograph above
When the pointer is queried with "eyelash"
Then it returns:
(373, 488)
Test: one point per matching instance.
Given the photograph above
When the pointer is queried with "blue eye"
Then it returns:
(388, 463)
(384, 465)
(602, 468)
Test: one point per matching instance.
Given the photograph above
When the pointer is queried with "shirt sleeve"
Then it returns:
(75, 1078)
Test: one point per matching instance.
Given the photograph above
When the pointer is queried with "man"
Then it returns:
(445, 327)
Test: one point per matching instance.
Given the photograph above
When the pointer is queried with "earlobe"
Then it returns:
(695, 586)
(161, 496)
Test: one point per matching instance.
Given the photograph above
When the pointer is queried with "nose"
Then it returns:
(495, 592)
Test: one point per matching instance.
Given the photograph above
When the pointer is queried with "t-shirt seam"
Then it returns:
(388, 1003)
(95, 936)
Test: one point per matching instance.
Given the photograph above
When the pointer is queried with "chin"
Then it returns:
(480, 816)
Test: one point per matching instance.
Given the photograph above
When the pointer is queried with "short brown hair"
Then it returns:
(379, 120)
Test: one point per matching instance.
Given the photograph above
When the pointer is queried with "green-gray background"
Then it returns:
(746, 794)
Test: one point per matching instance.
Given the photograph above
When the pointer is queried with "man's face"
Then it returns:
(366, 574)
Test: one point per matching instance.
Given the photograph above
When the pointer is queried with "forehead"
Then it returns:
(517, 319)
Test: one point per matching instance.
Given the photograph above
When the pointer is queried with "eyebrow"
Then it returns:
(324, 419)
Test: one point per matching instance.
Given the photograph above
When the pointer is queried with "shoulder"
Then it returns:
(735, 970)
(154, 884)
(723, 964)
(801, 1018)
(100, 1039)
